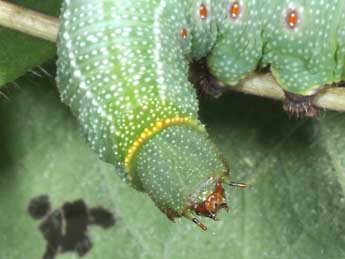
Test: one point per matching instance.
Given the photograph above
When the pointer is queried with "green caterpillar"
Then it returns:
(123, 68)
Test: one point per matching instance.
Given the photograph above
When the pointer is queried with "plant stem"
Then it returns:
(46, 27)
(264, 85)
(29, 22)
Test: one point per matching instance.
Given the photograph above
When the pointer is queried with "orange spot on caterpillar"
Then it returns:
(292, 19)
(235, 10)
(184, 33)
(203, 11)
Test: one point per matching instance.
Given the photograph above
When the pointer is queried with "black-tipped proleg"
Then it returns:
(299, 105)
(204, 81)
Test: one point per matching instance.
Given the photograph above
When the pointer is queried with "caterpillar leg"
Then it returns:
(301, 85)
(239, 185)
(341, 84)
(202, 78)
(171, 215)
(190, 216)
(299, 105)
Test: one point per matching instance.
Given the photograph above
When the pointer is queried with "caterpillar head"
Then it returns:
(183, 173)
(212, 203)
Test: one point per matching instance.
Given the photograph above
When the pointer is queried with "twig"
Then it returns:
(46, 27)
(266, 86)
(29, 22)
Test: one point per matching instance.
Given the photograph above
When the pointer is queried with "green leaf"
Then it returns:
(294, 207)
(19, 52)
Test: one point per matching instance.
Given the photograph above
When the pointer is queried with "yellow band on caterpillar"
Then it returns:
(149, 132)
